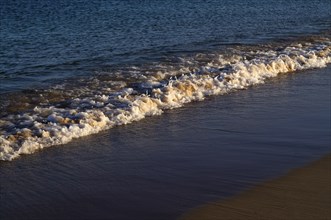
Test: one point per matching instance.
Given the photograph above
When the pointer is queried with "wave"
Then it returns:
(117, 100)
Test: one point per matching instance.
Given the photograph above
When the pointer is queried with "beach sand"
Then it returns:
(303, 193)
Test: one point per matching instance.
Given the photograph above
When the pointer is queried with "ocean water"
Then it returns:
(72, 69)
(46, 41)
(161, 167)
(150, 108)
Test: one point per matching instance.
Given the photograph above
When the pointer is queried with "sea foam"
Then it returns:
(45, 126)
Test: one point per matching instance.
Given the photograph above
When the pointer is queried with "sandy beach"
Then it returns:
(303, 193)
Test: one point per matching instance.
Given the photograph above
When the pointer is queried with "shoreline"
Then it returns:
(302, 193)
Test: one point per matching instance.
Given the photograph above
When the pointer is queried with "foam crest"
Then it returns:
(46, 126)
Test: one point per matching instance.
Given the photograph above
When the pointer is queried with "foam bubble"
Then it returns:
(46, 126)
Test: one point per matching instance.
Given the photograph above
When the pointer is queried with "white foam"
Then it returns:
(49, 126)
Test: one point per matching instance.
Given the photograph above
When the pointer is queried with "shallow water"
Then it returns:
(160, 167)
(38, 119)
(75, 75)
(72, 69)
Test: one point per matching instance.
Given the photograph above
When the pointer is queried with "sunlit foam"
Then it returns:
(30, 131)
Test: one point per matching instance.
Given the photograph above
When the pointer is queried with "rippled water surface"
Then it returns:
(43, 41)
(144, 109)
(72, 69)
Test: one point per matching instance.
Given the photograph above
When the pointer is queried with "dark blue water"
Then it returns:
(43, 41)
(53, 53)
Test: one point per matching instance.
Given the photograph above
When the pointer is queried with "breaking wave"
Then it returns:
(55, 116)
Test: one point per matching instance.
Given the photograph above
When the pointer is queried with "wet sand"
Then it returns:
(303, 193)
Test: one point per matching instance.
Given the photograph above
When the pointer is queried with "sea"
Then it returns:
(144, 109)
